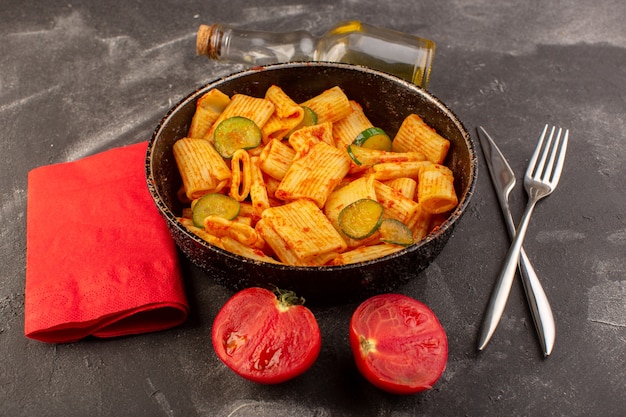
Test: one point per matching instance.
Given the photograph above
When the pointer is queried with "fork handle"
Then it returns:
(501, 291)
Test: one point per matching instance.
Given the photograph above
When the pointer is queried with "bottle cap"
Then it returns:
(202, 39)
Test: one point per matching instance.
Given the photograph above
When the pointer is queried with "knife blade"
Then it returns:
(503, 180)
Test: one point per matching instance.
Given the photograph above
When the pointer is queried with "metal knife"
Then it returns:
(503, 180)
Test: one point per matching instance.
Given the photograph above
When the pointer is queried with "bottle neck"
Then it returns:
(224, 43)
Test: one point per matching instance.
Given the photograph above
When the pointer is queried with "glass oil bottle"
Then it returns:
(401, 54)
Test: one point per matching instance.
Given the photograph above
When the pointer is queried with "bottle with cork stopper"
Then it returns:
(401, 54)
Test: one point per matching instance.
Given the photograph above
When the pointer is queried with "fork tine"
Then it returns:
(532, 164)
(540, 168)
(560, 162)
(547, 174)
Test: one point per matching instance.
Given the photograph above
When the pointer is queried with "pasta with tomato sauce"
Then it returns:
(300, 178)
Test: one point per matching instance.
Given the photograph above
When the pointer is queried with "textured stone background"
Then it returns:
(77, 78)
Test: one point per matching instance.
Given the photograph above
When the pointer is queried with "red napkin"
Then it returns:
(99, 258)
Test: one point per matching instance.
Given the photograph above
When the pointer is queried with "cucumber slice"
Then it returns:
(236, 133)
(214, 204)
(309, 119)
(354, 151)
(374, 138)
(361, 218)
(364, 156)
(394, 231)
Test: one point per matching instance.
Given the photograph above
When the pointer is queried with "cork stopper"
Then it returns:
(202, 40)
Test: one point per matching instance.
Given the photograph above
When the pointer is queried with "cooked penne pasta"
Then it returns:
(284, 106)
(365, 253)
(274, 240)
(259, 110)
(246, 209)
(315, 175)
(404, 185)
(303, 139)
(415, 135)
(299, 233)
(370, 157)
(391, 170)
(271, 185)
(236, 247)
(248, 221)
(395, 204)
(240, 167)
(201, 168)
(287, 115)
(420, 223)
(348, 128)
(208, 109)
(258, 191)
(331, 105)
(276, 159)
(246, 235)
(435, 190)
(201, 233)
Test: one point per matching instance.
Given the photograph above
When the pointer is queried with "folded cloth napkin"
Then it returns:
(99, 258)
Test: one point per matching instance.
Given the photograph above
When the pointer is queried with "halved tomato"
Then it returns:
(266, 337)
(398, 343)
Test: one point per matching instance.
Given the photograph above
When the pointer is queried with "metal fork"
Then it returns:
(542, 177)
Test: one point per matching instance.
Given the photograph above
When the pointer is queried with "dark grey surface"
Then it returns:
(77, 78)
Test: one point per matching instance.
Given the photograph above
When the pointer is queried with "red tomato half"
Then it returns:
(265, 338)
(398, 343)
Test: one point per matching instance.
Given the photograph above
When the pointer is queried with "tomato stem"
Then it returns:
(287, 298)
(367, 345)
